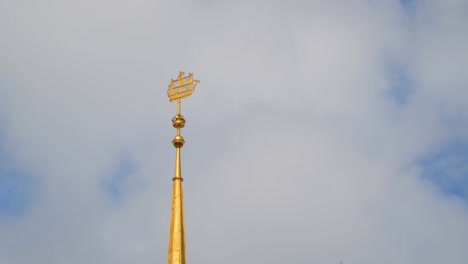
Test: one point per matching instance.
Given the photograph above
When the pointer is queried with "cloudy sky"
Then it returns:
(321, 132)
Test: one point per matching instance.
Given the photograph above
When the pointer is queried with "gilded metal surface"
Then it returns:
(180, 88)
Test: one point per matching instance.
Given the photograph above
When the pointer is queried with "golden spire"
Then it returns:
(180, 88)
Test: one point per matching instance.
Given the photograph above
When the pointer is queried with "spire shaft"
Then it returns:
(176, 253)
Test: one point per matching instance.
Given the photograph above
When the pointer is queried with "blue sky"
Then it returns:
(318, 127)
(18, 192)
(401, 85)
(116, 183)
(17, 188)
(409, 5)
(446, 167)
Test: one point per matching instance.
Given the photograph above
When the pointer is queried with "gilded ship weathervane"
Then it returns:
(178, 89)
(181, 87)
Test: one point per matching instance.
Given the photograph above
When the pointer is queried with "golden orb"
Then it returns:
(178, 141)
